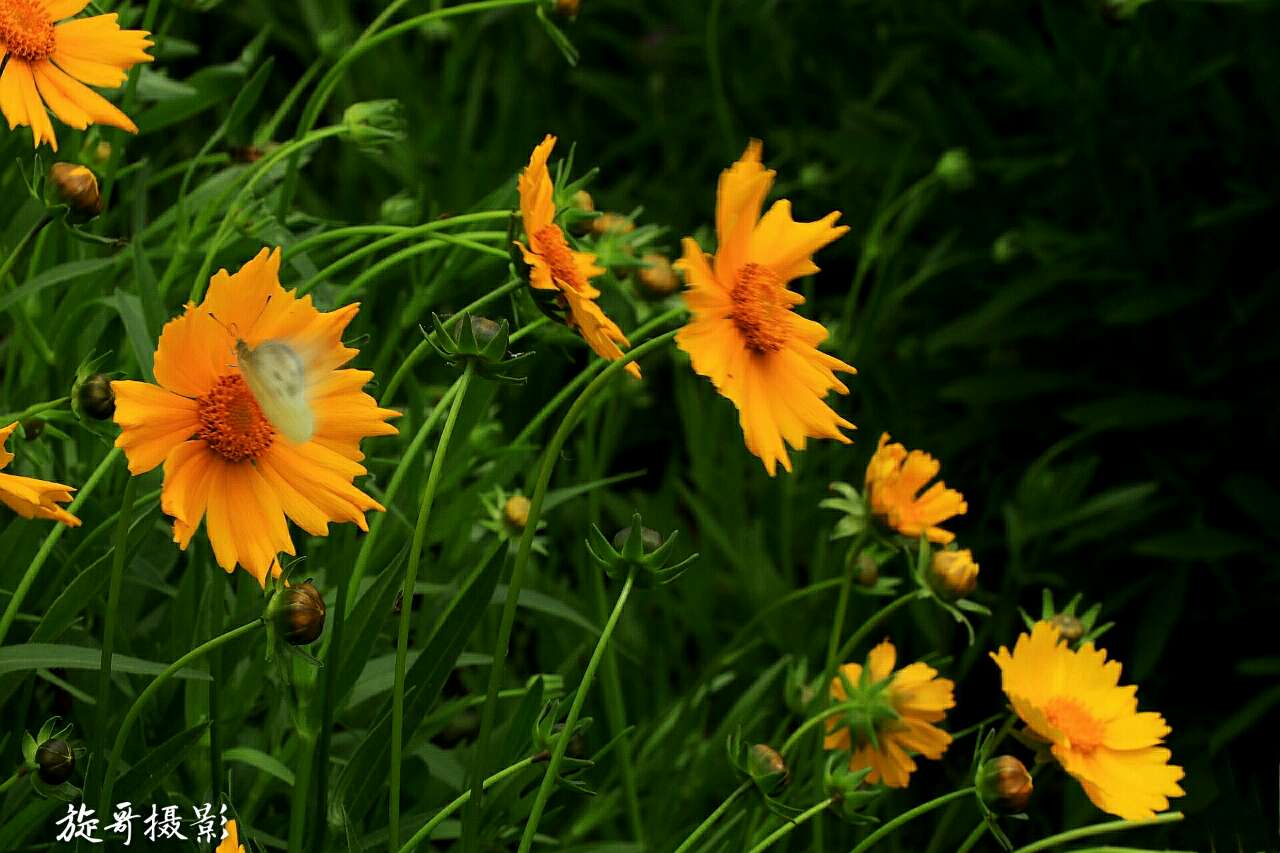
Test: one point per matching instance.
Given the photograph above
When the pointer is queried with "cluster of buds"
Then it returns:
(478, 341)
(49, 760)
(639, 550)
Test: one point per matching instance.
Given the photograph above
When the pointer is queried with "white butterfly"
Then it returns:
(277, 377)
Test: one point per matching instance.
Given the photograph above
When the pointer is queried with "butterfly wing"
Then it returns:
(278, 379)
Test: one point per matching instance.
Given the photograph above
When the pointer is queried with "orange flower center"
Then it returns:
(26, 29)
(1081, 728)
(556, 252)
(232, 423)
(759, 308)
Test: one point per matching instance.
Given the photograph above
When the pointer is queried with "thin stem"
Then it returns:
(687, 844)
(571, 721)
(301, 788)
(12, 780)
(842, 605)
(1099, 829)
(433, 243)
(424, 834)
(471, 826)
(815, 720)
(406, 607)
(973, 839)
(367, 42)
(33, 410)
(159, 681)
(50, 541)
(333, 652)
(12, 260)
(908, 816)
(789, 826)
(118, 559)
(865, 629)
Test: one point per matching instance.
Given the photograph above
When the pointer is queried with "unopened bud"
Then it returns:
(767, 768)
(300, 616)
(56, 762)
(955, 170)
(400, 209)
(582, 201)
(1068, 626)
(1004, 784)
(953, 574)
(867, 572)
(611, 223)
(568, 8)
(649, 538)
(32, 428)
(373, 124)
(516, 511)
(102, 153)
(658, 278)
(77, 188)
(96, 398)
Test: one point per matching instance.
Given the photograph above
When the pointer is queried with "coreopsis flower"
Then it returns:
(894, 482)
(29, 497)
(559, 269)
(51, 56)
(893, 715)
(253, 419)
(1073, 701)
(231, 842)
(744, 335)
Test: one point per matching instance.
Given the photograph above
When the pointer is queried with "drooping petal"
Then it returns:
(65, 88)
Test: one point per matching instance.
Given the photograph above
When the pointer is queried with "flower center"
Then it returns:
(232, 423)
(26, 30)
(759, 308)
(1081, 728)
(556, 252)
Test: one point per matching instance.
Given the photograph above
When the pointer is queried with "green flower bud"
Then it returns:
(56, 761)
(76, 187)
(639, 550)
(95, 398)
(1004, 784)
(477, 340)
(400, 209)
(298, 614)
(766, 768)
(374, 124)
(955, 170)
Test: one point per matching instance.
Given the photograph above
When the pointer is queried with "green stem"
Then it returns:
(301, 789)
(12, 780)
(687, 844)
(789, 826)
(367, 42)
(865, 629)
(406, 606)
(1099, 829)
(216, 684)
(393, 488)
(12, 260)
(471, 826)
(118, 559)
(50, 541)
(571, 721)
(432, 244)
(842, 605)
(333, 662)
(424, 834)
(817, 719)
(908, 816)
(973, 839)
(33, 410)
(159, 681)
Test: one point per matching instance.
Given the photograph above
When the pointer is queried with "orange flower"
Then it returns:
(894, 480)
(222, 456)
(556, 267)
(49, 63)
(744, 336)
(231, 843)
(32, 498)
(894, 713)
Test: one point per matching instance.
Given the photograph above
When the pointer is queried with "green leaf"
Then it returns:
(258, 759)
(37, 814)
(145, 776)
(51, 278)
(50, 656)
(135, 326)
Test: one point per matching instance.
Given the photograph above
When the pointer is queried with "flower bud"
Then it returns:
(56, 761)
(955, 170)
(657, 278)
(767, 768)
(373, 124)
(1004, 784)
(516, 511)
(637, 550)
(77, 188)
(102, 153)
(568, 8)
(95, 397)
(1070, 627)
(32, 428)
(582, 201)
(867, 572)
(953, 574)
(611, 223)
(299, 616)
(400, 209)
(478, 341)
(650, 539)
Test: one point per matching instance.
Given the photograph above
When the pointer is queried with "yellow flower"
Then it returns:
(895, 714)
(954, 573)
(49, 64)
(894, 480)
(744, 336)
(1073, 701)
(223, 457)
(31, 498)
(231, 844)
(556, 267)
